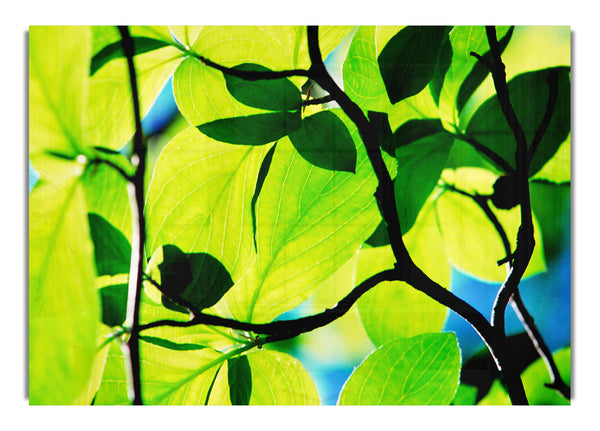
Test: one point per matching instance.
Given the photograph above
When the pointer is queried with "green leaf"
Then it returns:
(113, 386)
(407, 62)
(190, 279)
(420, 165)
(200, 197)
(239, 377)
(479, 72)
(442, 65)
(423, 370)
(408, 312)
(309, 222)
(112, 251)
(385, 136)
(472, 243)
(258, 129)
(529, 94)
(362, 78)
(106, 195)
(414, 130)
(63, 301)
(269, 94)
(58, 93)
(177, 376)
(115, 50)
(109, 118)
(324, 141)
(114, 304)
(558, 168)
(274, 377)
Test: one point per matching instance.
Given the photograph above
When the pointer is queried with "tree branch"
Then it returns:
(283, 329)
(525, 240)
(136, 194)
(517, 303)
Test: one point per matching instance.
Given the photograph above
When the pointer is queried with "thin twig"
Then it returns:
(252, 75)
(136, 192)
(480, 148)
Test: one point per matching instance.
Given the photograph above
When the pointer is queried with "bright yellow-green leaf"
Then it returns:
(58, 88)
(423, 370)
(63, 301)
(395, 310)
(276, 379)
(109, 113)
(558, 168)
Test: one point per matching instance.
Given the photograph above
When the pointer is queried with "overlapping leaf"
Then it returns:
(529, 95)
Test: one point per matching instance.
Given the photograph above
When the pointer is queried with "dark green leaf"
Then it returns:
(257, 129)
(115, 50)
(239, 376)
(167, 344)
(442, 65)
(479, 73)
(262, 174)
(324, 141)
(408, 61)
(379, 237)
(114, 304)
(381, 123)
(413, 130)
(529, 93)
(112, 251)
(420, 165)
(270, 94)
(195, 280)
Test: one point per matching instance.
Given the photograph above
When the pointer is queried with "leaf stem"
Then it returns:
(136, 194)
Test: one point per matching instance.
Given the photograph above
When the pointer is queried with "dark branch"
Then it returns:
(139, 226)
(283, 329)
(318, 101)
(252, 75)
(517, 303)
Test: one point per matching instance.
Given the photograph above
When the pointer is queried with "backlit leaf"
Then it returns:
(423, 370)
(275, 378)
(112, 251)
(63, 302)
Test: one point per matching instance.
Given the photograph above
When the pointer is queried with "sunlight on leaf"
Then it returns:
(422, 370)
(63, 302)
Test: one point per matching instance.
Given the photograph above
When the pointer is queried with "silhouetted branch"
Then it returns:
(480, 148)
(252, 75)
(136, 193)
(282, 329)
(516, 301)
